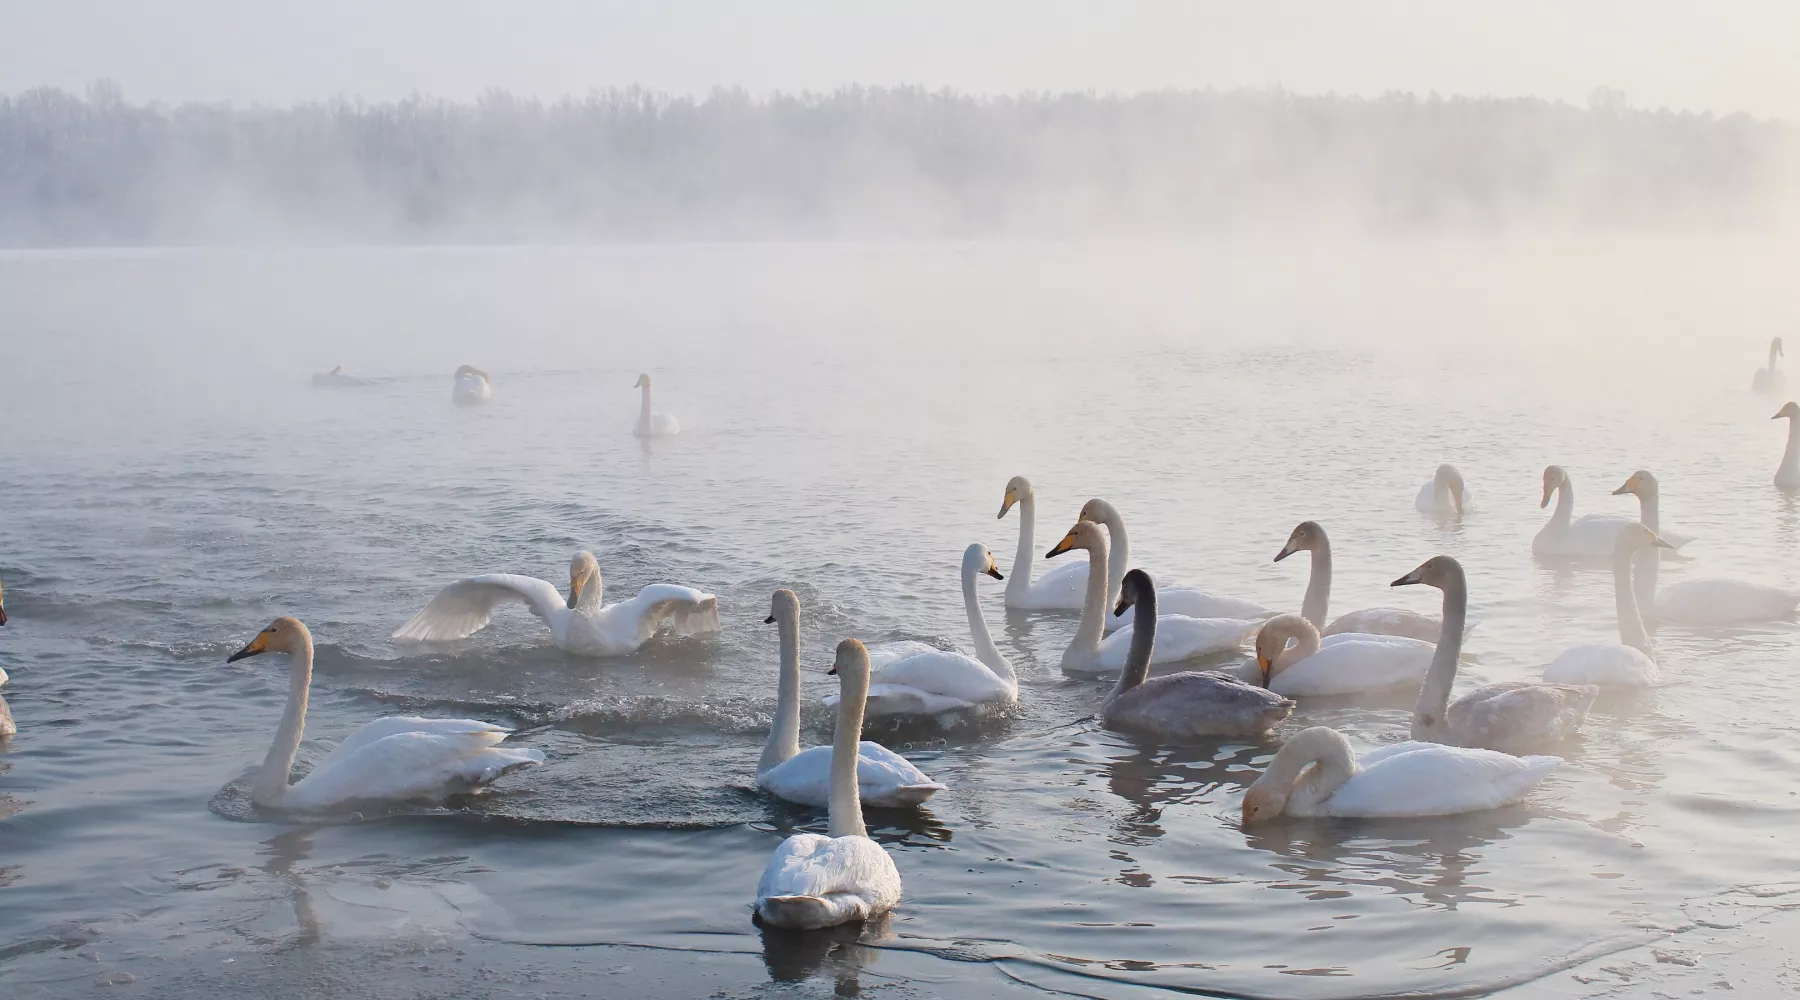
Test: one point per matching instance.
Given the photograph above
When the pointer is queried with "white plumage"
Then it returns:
(1317, 774)
(1446, 493)
(1341, 664)
(1060, 588)
(470, 386)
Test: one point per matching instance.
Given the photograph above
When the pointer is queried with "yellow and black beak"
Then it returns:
(832, 672)
(1007, 504)
(1263, 664)
(260, 644)
(993, 571)
(574, 591)
(1067, 543)
(769, 620)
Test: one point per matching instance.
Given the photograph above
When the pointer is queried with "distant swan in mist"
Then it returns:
(471, 386)
(336, 377)
(1628, 662)
(883, 777)
(394, 759)
(1445, 494)
(1770, 379)
(1309, 536)
(1787, 477)
(651, 424)
(1188, 602)
(582, 625)
(1061, 587)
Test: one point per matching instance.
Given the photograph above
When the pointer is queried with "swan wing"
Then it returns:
(1356, 664)
(1193, 603)
(1717, 601)
(945, 673)
(1387, 621)
(464, 607)
(1428, 779)
(1587, 535)
(883, 654)
(1062, 587)
(1518, 716)
(684, 610)
(883, 778)
(409, 765)
(1178, 638)
(1196, 703)
(817, 881)
(1607, 664)
(391, 724)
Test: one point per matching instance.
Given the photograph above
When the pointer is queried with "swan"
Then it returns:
(814, 881)
(1185, 601)
(1645, 487)
(1309, 536)
(7, 728)
(336, 377)
(1445, 494)
(471, 386)
(1317, 774)
(1770, 379)
(1510, 716)
(1587, 535)
(1061, 587)
(883, 777)
(394, 758)
(581, 625)
(1187, 704)
(1179, 637)
(912, 678)
(1787, 477)
(653, 424)
(1345, 663)
(1626, 663)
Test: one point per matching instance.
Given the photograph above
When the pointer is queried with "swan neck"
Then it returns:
(1317, 603)
(1306, 643)
(1631, 623)
(1093, 605)
(784, 729)
(590, 599)
(1019, 583)
(845, 804)
(1793, 442)
(1565, 502)
(1143, 644)
(644, 403)
(1118, 558)
(1434, 695)
(1327, 752)
(985, 650)
(271, 783)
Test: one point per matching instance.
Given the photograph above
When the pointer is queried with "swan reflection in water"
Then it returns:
(1153, 776)
(841, 952)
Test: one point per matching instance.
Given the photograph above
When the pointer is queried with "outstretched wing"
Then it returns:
(463, 608)
(685, 610)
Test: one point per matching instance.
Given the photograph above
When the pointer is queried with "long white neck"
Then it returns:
(1093, 605)
(845, 803)
(1440, 490)
(1649, 563)
(1631, 624)
(591, 596)
(1118, 559)
(1019, 583)
(1143, 644)
(271, 783)
(1434, 694)
(1331, 758)
(644, 405)
(985, 650)
(784, 729)
(1318, 584)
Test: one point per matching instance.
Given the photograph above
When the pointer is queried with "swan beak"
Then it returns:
(1630, 486)
(1119, 608)
(575, 592)
(832, 672)
(1777, 416)
(1263, 664)
(1067, 543)
(1549, 491)
(769, 620)
(1409, 579)
(2, 614)
(1006, 505)
(995, 573)
(1661, 544)
(251, 648)
(1286, 550)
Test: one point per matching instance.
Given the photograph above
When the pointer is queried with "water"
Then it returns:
(851, 415)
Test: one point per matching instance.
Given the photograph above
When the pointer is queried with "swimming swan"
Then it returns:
(1770, 379)
(7, 728)
(1587, 535)
(814, 881)
(913, 678)
(1787, 477)
(1445, 494)
(471, 386)
(1309, 536)
(653, 424)
(1645, 487)
(1510, 716)
(883, 777)
(1061, 587)
(1187, 704)
(336, 377)
(1317, 774)
(581, 625)
(1626, 663)
(1345, 663)
(1186, 601)
(1178, 637)
(396, 758)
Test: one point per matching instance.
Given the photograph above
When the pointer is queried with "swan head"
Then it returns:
(284, 635)
(1017, 488)
(1099, 511)
(1634, 536)
(2, 606)
(1272, 640)
(643, 382)
(1263, 803)
(783, 605)
(582, 568)
(1789, 410)
(1641, 483)
(1306, 537)
(1441, 572)
(977, 559)
(852, 661)
(1554, 477)
(1084, 535)
(1137, 586)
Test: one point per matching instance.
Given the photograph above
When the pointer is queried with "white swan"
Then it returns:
(1345, 663)
(1184, 705)
(1309, 536)
(1317, 774)
(653, 424)
(336, 377)
(471, 386)
(814, 881)
(1787, 477)
(1445, 494)
(1645, 487)
(1626, 663)
(911, 678)
(7, 728)
(883, 777)
(582, 625)
(1061, 587)
(1186, 601)
(1178, 637)
(1511, 716)
(1587, 535)
(393, 759)
(1770, 379)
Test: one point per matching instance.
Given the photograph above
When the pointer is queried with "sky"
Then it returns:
(1721, 57)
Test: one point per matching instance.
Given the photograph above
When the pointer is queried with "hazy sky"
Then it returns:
(1740, 55)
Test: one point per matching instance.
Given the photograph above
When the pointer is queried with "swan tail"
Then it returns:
(810, 912)
(487, 766)
(913, 795)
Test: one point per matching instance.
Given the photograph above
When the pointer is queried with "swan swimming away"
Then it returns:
(1510, 716)
(912, 678)
(1628, 662)
(470, 387)
(1185, 601)
(883, 777)
(1345, 663)
(336, 377)
(653, 424)
(7, 727)
(581, 625)
(1184, 705)
(396, 758)
(1317, 774)
(1445, 494)
(1309, 536)
(1061, 587)
(1178, 637)
(1770, 379)
(1787, 477)
(1590, 535)
(814, 881)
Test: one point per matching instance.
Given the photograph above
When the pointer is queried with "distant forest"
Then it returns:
(865, 163)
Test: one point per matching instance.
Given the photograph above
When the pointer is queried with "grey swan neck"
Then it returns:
(1143, 644)
(784, 729)
(1428, 723)
(846, 803)
(271, 784)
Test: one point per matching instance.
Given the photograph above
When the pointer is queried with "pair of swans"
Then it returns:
(650, 424)
(1770, 379)
(840, 877)
(397, 758)
(1445, 494)
(582, 625)
(1701, 601)
(1593, 535)
(883, 777)
(470, 386)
